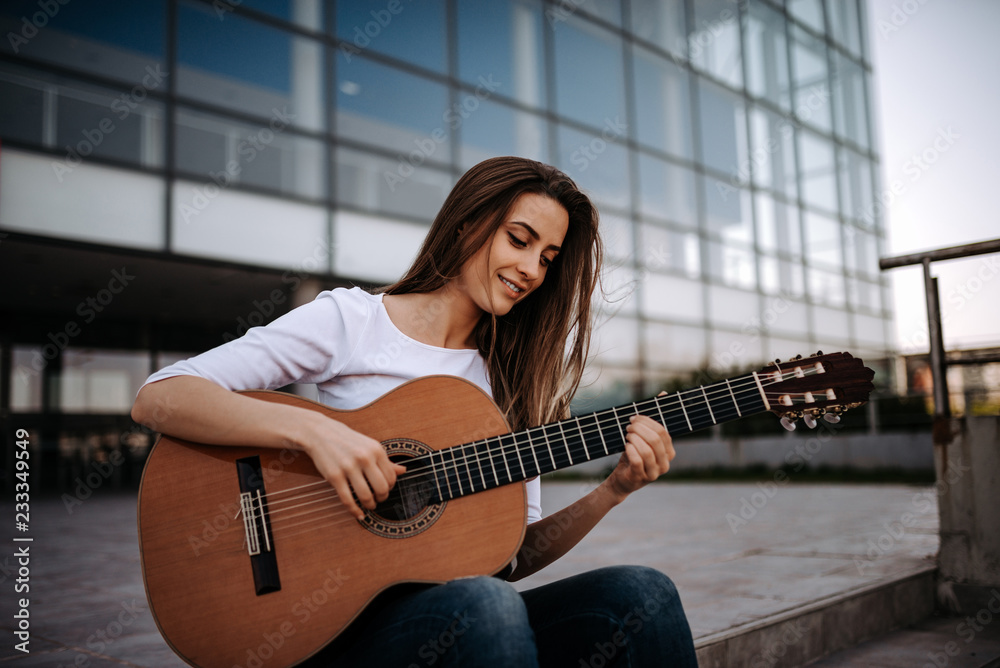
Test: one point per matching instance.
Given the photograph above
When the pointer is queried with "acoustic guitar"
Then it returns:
(250, 559)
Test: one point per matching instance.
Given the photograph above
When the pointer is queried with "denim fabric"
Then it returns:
(617, 616)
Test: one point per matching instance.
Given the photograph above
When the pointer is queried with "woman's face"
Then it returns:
(514, 263)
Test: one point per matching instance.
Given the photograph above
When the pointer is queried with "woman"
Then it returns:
(504, 279)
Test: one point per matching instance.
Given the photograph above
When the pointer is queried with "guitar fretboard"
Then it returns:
(500, 460)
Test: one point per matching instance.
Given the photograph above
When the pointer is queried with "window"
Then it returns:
(810, 79)
(714, 40)
(597, 99)
(660, 22)
(667, 191)
(662, 105)
(722, 129)
(767, 55)
(282, 74)
(414, 33)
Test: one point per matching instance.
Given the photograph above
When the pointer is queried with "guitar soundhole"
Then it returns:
(408, 509)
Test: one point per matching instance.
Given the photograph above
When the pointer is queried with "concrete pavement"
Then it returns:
(744, 556)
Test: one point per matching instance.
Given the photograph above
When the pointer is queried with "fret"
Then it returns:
(548, 447)
(531, 447)
(600, 432)
(517, 451)
(468, 468)
(565, 440)
(489, 460)
(680, 400)
(434, 474)
(583, 438)
(735, 403)
(474, 466)
(763, 396)
(458, 476)
(503, 457)
(707, 403)
(663, 420)
(444, 470)
(618, 423)
(510, 457)
(720, 403)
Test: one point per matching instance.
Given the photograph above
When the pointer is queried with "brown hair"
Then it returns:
(533, 373)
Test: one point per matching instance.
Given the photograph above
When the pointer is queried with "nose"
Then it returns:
(528, 267)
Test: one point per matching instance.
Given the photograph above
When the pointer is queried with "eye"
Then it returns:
(514, 239)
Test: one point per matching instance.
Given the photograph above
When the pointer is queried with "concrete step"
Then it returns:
(809, 632)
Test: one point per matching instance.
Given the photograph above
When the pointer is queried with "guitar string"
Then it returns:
(329, 492)
(594, 426)
(301, 501)
(594, 421)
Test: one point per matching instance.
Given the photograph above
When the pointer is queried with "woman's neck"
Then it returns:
(445, 318)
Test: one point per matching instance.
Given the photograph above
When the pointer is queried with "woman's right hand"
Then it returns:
(349, 461)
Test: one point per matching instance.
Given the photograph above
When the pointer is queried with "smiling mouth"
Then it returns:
(513, 288)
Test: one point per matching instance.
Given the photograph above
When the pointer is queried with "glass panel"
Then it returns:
(226, 153)
(822, 237)
(374, 249)
(616, 233)
(781, 348)
(733, 265)
(819, 185)
(27, 363)
(809, 12)
(597, 164)
(810, 79)
(831, 326)
(490, 129)
(660, 22)
(281, 76)
(663, 107)
(714, 42)
(122, 207)
(379, 184)
(866, 252)
(667, 191)
(794, 319)
(674, 346)
(305, 13)
(672, 298)
(241, 226)
(394, 110)
(826, 287)
(597, 99)
(767, 55)
(619, 284)
(23, 113)
(118, 40)
(414, 33)
(101, 381)
(608, 10)
(777, 226)
(503, 40)
(779, 276)
(850, 101)
(733, 308)
(869, 330)
(728, 211)
(772, 157)
(844, 24)
(722, 128)
(857, 200)
(665, 249)
(616, 340)
(732, 350)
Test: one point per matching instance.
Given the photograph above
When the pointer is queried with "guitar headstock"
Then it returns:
(821, 385)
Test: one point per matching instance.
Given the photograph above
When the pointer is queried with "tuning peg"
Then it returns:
(818, 353)
(788, 423)
(832, 418)
(809, 421)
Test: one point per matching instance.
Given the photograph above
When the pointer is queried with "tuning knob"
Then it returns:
(832, 418)
(788, 423)
(809, 421)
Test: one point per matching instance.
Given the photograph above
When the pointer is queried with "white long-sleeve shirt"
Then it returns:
(343, 342)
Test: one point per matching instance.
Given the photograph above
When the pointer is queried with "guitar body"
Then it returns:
(201, 584)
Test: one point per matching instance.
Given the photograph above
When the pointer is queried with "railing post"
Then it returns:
(939, 369)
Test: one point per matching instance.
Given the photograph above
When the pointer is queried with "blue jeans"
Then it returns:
(616, 616)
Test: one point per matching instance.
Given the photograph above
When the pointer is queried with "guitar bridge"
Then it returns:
(257, 526)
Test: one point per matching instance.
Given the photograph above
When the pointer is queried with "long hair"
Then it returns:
(535, 354)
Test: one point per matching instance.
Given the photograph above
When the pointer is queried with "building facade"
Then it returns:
(173, 172)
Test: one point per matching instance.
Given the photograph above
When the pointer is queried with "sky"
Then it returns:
(936, 66)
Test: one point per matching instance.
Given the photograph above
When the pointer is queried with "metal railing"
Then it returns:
(939, 362)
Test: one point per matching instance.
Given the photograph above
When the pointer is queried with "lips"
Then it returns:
(513, 289)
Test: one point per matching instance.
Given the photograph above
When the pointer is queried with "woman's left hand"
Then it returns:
(648, 453)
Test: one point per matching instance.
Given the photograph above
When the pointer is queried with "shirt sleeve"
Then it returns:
(309, 344)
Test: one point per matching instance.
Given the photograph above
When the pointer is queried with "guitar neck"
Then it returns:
(517, 456)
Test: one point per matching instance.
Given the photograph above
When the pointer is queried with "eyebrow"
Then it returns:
(534, 234)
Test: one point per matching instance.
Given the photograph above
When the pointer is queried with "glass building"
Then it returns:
(173, 172)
